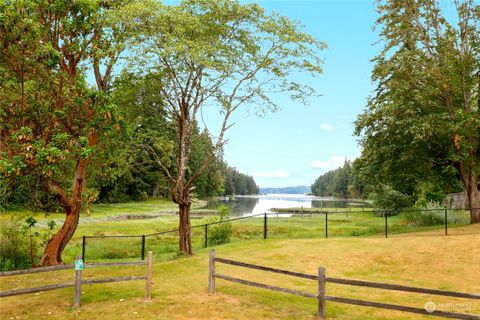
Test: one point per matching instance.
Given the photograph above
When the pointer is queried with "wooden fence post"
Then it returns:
(78, 281)
(148, 286)
(211, 272)
(321, 293)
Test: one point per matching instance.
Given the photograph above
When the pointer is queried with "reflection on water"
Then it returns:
(248, 205)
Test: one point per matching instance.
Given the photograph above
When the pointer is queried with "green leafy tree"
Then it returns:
(424, 117)
(133, 169)
(225, 54)
(339, 182)
(322, 185)
(237, 183)
(52, 122)
(342, 179)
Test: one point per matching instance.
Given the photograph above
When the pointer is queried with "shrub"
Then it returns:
(13, 246)
(432, 214)
(391, 200)
(21, 244)
(220, 233)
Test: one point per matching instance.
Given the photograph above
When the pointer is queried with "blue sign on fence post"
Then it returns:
(78, 265)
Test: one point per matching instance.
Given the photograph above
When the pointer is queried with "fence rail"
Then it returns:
(321, 293)
(78, 277)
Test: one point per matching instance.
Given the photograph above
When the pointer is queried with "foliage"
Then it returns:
(422, 123)
(132, 170)
(49, 111)
(391, 200)
(53, 121)
(13, 246)
(429, 192)
(21, 243)
(341, 182)
(322, 185)
(217, 54)
(221, 232)
(433, 213)
(237, 183)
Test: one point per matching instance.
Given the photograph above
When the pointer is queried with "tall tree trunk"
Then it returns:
(72, 205)
(469, 178)
(55, 246)
(184, 228)
(474, 204)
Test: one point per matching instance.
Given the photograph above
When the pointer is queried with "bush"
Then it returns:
(20, 245)
(14, 246)
(220, 233)
(433, 214)
(391, 200)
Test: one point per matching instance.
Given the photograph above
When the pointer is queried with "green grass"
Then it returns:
(111, 220)
(421, 259)
(165, 246)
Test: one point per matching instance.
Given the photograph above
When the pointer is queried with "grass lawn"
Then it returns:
(111, 219)
(421, 259)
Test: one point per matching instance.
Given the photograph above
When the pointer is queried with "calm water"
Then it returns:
(248, 205)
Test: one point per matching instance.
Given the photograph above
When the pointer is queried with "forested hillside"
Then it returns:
(340, 183)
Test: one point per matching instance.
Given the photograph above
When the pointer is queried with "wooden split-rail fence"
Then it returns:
(78, 277)
(322, 297)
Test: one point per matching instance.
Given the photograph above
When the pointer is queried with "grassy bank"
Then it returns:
(180, 286)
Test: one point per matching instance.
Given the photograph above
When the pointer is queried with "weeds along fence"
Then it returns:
(300, 223)
(78, 282)
(321, 295)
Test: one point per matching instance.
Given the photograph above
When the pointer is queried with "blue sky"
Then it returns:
(298, 143)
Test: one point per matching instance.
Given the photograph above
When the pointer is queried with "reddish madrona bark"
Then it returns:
(72, 205)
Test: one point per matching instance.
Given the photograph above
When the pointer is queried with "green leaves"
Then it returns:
(422, 122)
(51, 117)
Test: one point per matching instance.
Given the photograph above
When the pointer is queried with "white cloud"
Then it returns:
(333, 163)
(272, 174)
(317, 164)
(327, 127)
(337, 161)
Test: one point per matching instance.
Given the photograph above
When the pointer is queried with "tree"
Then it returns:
(237, 183)
(224, 54)
(52, 120)
(424, 117)
(340, 182)
(342, 179)
(322, 185)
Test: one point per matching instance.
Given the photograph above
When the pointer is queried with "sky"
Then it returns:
(298, 143)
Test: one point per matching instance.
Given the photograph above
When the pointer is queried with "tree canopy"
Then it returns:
(422, 123)
(220, 54)
(52, 120)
